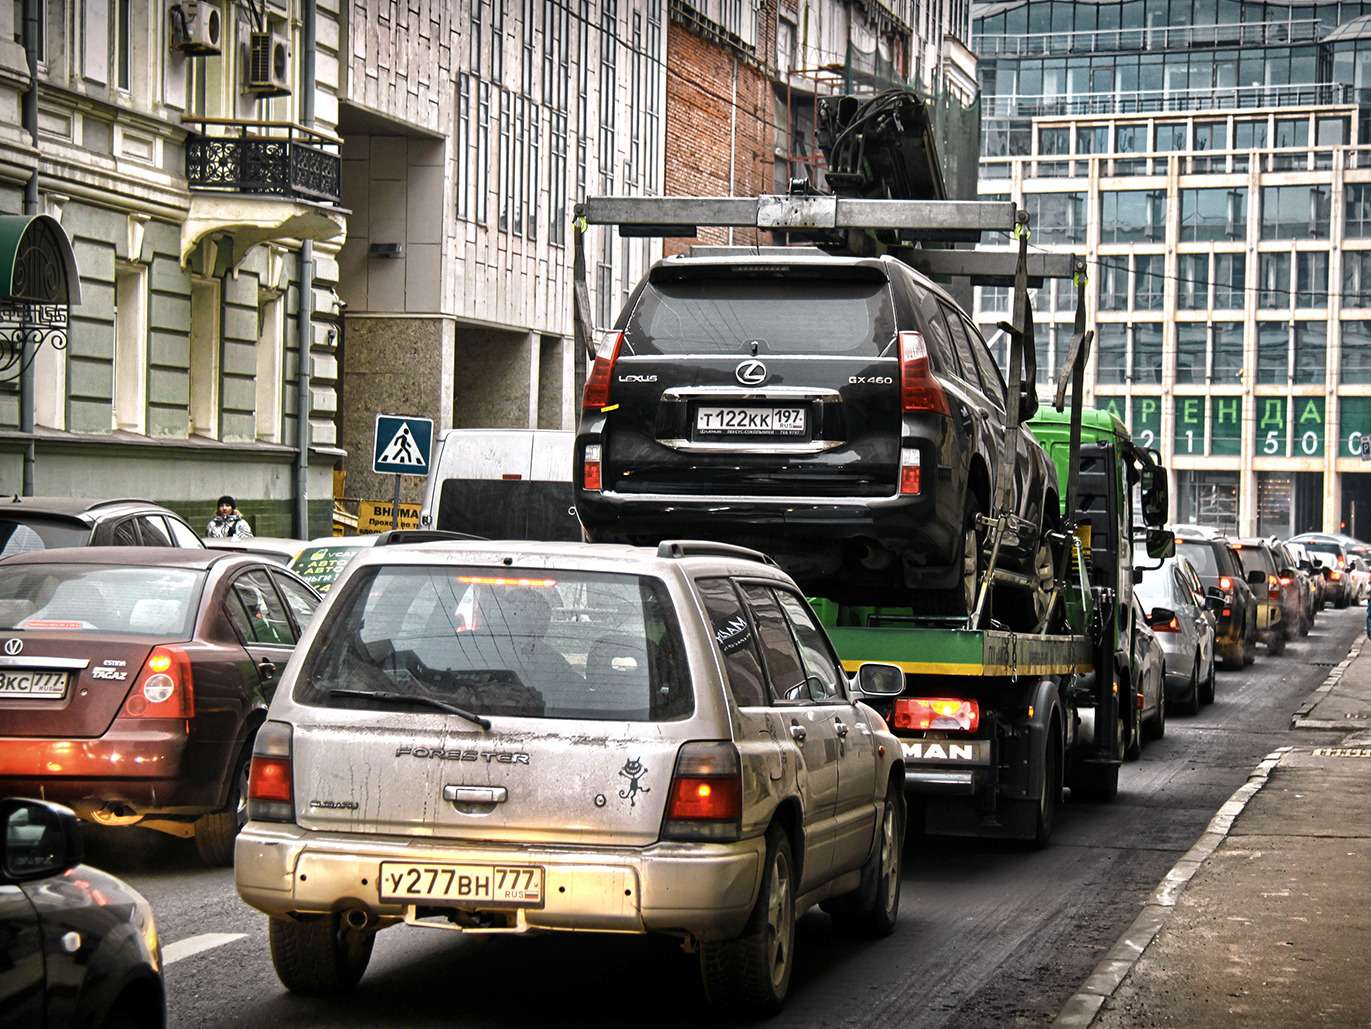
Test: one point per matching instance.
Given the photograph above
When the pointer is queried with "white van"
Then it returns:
(502, 484)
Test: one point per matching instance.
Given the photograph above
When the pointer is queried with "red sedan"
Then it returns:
(133, 680)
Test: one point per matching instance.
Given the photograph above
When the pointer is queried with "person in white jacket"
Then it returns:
(229, 523)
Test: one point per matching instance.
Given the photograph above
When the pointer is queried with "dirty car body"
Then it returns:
(628, 779)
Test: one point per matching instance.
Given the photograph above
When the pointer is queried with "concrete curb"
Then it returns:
(1300, 719)
(1081, 1008)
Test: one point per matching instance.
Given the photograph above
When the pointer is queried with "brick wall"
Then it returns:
(701, 113)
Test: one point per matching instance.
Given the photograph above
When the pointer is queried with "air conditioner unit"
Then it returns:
(268, 65)
(197, 28)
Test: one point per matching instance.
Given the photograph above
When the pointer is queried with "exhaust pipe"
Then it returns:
(358, 918)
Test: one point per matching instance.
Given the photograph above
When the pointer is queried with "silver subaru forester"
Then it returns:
(518, 737)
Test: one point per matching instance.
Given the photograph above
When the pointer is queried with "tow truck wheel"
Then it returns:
(1049, 796)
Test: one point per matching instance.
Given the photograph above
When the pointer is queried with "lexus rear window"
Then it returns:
(522, 643)
(20, 537)
(100, 598)
(792, 315)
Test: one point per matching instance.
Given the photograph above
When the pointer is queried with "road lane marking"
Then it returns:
(192, 945)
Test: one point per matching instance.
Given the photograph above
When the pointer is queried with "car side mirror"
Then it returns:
(1288, 573)
(1161, 544)
(1256, 577)
(1028, 401)
(877, 679)
(1155, 494)
(1160, 616)
(37, 839)
(1213, 597)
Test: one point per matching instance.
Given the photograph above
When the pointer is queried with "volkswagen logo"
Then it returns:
(13, 647)
(751, 372)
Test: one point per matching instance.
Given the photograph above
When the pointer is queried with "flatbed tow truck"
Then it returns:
(993, 723)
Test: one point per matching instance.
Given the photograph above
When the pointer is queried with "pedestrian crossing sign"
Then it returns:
(403, 445)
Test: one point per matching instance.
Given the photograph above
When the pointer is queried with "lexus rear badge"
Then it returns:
(751, 372)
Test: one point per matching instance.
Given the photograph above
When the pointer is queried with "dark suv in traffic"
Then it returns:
(841, 414)
(1230, 595)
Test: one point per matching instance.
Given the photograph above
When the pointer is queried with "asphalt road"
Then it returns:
(988, 935)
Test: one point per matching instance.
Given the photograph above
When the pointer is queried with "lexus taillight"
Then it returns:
(705, 801)
(164, 688)
(919, 390)
(910, 480)
(271, 795)
(590, 467)
(922, 714)
(597, 383)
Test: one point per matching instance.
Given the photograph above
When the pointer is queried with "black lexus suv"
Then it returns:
(840, 414)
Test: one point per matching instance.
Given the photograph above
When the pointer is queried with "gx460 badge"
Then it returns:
(869, 380)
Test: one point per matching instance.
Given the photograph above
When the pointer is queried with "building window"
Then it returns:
(123, 42)
(1230, 281)
(506, 161)
(482, 183)
(535, 167)
(609, 40)
(1275, 281)
(557, 179)
(1295, 212)
(1149, 282)
(42, 41)
(1311, 279)
(130, 348)
(785, 45)
(1054, 142)
(604, 293)
(1357, 223)
(1057, 217)
(465, 150)
(204, 357)
(1226, 369)
(1171, 137)
(994, 298)
(1130, 139)
(635, 103)
(1113, 353)
(1113, 283)
(497, 38)
(1213, 214)
(1273, 353)
(1193, 285)
(1356, 352)
(1311, 349)
(1133, 216)
(1192, 346)
(1209, 498)
(653, 117)
(519, 179)
(1146, 363)
(1356, 278)
(1210, 136)
(530, 27)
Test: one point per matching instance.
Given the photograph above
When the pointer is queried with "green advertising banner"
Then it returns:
(1225, 415)
(1189, 438)
(1354, 421)
(1114, 405)
(1146, 424)
(1309, 426)
(1270, 431)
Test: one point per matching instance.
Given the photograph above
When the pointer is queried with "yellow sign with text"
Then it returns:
(374, 516)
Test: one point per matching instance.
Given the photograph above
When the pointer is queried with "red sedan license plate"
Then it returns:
(33, 685)
(518, 885)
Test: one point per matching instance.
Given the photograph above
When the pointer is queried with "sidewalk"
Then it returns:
(1270, 924)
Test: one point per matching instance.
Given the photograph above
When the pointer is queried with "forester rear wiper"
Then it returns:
(412, 698)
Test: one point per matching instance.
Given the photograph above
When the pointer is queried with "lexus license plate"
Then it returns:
(516, 885)
(33, 684)
(750, 421)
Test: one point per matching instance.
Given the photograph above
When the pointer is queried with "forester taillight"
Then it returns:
(271, 794)
(164, 688)
(597, 382)
(922, 714)
(919, 390)
(590, 467)
(911, 483)
(705, 801)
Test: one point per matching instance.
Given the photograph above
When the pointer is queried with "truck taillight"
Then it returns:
(919, 390)
(590, 467)
(271, 794)
(921, 714)
(597, 382)
(705, 801)
(910, 482)
(164, 689)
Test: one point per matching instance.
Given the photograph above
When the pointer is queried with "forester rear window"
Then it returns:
(528, 643)
(791, 314)
(1201, 555)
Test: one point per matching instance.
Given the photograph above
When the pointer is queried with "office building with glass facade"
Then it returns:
(1212, 160)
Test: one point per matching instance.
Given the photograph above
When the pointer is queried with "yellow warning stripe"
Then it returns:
(961, 668)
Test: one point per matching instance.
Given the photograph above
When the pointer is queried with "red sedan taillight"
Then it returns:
(164, 688)
(271, 794)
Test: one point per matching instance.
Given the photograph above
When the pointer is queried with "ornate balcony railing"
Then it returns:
(1167, 37)
(263, 158)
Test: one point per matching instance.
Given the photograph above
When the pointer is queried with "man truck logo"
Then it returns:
(921, 751)
(751, 372)
(13, 647)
